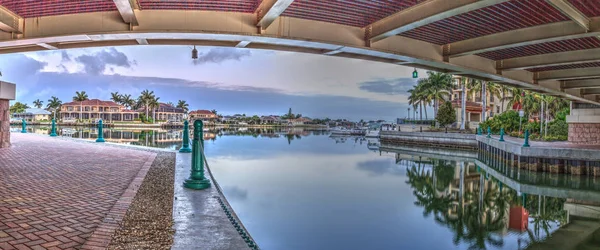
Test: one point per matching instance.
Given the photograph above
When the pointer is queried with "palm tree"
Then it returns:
(183, 105)
(214, 111)
(54, 104)
(127, 101)
(515, 97)
(170, 104)
(116, 97)
(493, 91)
(438, 86)
(503, 91)
(38, 104)
(415, 98)
(463, 102)
(80, 96)
(531, 103)
(154, 105)
(145, 99)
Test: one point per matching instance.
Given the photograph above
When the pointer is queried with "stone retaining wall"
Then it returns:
(584, 133)
(451, 140)
(4, 124)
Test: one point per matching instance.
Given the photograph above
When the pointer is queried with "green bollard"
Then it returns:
(53, 133)
(197, 179)
(185, 148)
(100, 133)
(23, 126)
(489, 135)
(501, 134)
(526, 144)
(478, 130)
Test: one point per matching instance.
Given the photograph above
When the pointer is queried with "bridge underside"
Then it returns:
(548, 46)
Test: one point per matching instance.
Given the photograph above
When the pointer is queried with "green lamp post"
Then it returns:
(526, 144)
(197, 179)
(53, 132)
(185, 148)
(100, 133)
(23, 126)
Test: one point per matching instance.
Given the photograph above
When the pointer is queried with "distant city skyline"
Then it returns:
(229, 80)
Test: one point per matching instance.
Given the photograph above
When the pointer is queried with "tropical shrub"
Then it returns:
(508, 120)
(558, 128)
(446, 114)
(533, 127)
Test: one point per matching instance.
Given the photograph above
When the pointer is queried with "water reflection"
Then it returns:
(169, 138)
(336, 193)
(297, 189)
(478, 209)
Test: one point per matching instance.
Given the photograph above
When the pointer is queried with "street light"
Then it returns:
(521, 114)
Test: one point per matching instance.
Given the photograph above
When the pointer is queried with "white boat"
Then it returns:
(344, 131)
(372, 133)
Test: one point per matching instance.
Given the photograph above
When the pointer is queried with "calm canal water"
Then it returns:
(296, 189)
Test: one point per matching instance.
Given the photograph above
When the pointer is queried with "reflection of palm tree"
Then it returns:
(550, 214)
(444, 174)
(479, 215)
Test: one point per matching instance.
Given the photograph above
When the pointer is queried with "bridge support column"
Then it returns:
(584, 124)
(7, 93)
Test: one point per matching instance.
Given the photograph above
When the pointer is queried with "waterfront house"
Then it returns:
(474, 105)
(165, 112)
(227, 119)
(96, 109)
(299, 121)
(271, 119)
(204, 115)
(34, 115)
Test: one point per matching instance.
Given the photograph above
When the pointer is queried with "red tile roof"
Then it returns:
(472, 107)
(201, 112)
(92, 102)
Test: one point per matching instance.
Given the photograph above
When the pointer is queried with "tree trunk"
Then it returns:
(421, 111)
(425, 112)
(483, 101)
(542, 118)
(547, 118)
(463, 105)
(503, 96)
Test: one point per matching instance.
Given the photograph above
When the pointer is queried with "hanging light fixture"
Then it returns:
(415, 73)
(194, 53)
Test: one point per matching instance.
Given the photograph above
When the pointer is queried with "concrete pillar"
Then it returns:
(584, 125)
(7, 93)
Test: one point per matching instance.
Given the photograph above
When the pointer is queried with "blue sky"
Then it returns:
(230, 80)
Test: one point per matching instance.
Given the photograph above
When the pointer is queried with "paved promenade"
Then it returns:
(61, 194)
(200, 222)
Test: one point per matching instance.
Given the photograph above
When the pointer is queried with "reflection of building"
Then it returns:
(34, 115)
(203, 115)
(96, 109)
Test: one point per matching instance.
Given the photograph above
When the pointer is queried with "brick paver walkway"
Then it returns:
(55, 193)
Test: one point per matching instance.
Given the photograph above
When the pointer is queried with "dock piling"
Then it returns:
(100, 132)
(197, 179)
(23, 126)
